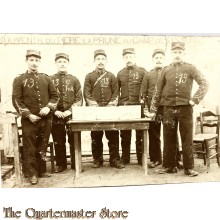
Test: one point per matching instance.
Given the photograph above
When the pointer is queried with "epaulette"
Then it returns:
(19, 75)
(190, 64)
(44, 74)
(165, 67)
(142, 68)
(121, 70)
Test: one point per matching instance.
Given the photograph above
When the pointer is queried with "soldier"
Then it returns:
(35, 98)
(70, 92)
(175, 88)
(129, 82)
(147, 89)
(101, 89)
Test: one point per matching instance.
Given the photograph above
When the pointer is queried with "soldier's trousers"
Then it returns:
(182, 115)
(126, 145)
(155, 141)
(60, 129)
(113, 144)
(35, 139)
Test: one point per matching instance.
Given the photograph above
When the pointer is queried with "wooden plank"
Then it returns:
(7, 140)
(7, 119)
(16, 154)
(97, 126)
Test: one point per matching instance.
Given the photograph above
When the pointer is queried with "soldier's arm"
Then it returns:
(54, 96)
(144, 87)
(87, 92)
(17, 99)
(203, 85)
(114, 87)
(78, 97)
(157, 93)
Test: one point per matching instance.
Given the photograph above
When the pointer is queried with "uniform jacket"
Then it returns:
(69, 89)
(148, 84)
(32, 92)
(129, 84)
(100, 88)
(175, 86)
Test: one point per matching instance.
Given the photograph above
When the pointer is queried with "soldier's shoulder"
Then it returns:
(53, 75)
(44, 75)
(90, 73)
(20, 76)
(121, 71)
(167, 67)
(152, 70)
(141, 69)
(188, 64)
(72, 76)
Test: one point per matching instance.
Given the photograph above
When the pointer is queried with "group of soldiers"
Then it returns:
(45, 102)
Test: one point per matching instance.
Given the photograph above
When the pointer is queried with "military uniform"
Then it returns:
(173, 91)
(147, 89)
(129, 83)
(70, 94)
(32, 92)
(101, 89)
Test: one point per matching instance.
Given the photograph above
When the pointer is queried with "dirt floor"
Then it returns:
(132, 174)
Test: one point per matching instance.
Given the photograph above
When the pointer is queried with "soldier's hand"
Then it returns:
(59, 114)
(93, 103)
(34, 118)
(67, 113)
(44, 111)
(150, 115)
(146, 112)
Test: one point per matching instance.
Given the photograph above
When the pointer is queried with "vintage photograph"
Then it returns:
(95, 110)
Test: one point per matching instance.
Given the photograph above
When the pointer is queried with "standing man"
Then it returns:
(129, 83)
(101, 89)
(147, 89)
(175, 87)
(70, 92)
(35, 98)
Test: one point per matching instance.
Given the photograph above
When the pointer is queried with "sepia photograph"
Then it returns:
(103, 110)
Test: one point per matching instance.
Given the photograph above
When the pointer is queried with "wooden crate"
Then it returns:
(106, 113)
(129, 112)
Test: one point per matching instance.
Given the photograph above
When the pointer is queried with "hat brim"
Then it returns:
(61, 57)
(127, 53)
(157, 53)
(33, 55)
(173, 48)
(100, 54)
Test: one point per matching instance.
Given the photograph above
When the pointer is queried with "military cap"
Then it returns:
(179, 45)
(99, 52)
(62, 55)
(35, 53)
(128, 50)
(158, 51)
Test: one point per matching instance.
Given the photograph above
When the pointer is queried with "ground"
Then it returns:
(132, 174)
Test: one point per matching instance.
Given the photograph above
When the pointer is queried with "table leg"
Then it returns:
(80, 152)
(76, 146)
(145, 137)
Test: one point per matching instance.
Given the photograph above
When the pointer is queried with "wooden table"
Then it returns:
(77, 126)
